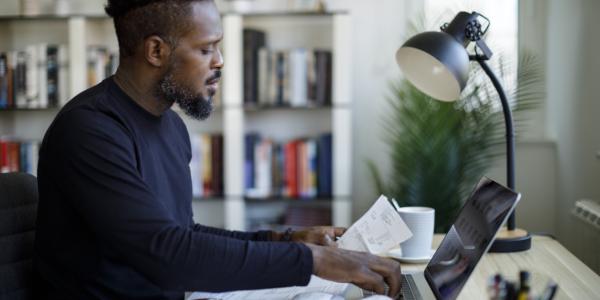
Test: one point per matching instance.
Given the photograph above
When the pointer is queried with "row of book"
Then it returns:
(206, 166)
(18, 156)
(300, 168)
(37, 76)
(101, 63)
(296, 77)
(34, 77)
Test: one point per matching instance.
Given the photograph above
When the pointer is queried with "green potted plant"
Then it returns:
(439, 150)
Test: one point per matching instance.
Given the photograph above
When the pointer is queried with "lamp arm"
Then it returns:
(510, 135)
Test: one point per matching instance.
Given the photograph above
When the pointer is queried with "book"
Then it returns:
(42, 72)
(217, 164)
(264, 76)
(207, 165)
(3, 81)
(249, 146)
(196, 166)
(52, 76)
(323, 61)
(298, 80)
(291, 169)
(325, 166)
(63, 75)
(32, 83)
(253, 41)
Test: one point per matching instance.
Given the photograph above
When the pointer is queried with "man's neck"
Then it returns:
(141, 91)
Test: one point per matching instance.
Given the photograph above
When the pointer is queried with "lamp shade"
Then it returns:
(436, 63)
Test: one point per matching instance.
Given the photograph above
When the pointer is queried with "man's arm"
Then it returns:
(99, 174)
(263, 235)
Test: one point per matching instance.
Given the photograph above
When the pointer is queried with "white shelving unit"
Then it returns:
(284, 30)
(325, 31)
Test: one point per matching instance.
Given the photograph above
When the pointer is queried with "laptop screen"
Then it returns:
(469, 237)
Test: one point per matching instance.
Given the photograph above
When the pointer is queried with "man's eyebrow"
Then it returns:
(212, 39)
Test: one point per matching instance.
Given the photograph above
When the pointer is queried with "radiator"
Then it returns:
(586, 241)
(588, 211)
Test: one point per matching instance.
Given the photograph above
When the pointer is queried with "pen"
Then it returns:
(550, 291)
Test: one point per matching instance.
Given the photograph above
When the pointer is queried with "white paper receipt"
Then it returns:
(377, 231)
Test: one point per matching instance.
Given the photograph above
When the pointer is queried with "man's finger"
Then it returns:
(371, 281)
(327, 241)
(338, 231)
(390, 270)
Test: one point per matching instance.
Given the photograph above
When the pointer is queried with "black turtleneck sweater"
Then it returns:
(115, 217)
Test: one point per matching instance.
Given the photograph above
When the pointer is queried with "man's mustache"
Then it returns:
(215, 76)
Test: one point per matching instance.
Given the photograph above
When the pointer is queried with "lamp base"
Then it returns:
(511, 241)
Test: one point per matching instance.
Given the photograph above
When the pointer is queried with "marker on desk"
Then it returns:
(524, 280)
(550, 291)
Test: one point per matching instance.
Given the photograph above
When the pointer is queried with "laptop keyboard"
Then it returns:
(409, 289)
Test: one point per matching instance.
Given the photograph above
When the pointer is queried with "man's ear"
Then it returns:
(156, 51)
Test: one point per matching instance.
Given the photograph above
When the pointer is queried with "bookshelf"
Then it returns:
(285, 31)
(232, 118)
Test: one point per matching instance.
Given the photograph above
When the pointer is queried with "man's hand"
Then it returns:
(321, 235)
(365, 270)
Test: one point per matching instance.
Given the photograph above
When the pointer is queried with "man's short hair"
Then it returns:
(135, 20)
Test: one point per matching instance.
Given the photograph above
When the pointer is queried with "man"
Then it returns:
(115, 217)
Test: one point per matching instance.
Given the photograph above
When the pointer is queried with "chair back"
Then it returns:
(18, 208)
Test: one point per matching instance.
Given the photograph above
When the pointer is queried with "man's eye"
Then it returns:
(206, 51)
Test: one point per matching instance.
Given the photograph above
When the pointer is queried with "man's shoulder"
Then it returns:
(89, 109)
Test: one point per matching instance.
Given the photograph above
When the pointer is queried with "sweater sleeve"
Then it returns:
(263, 235)
(98, 173)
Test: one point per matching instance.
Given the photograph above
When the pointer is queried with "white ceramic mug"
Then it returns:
(420, 220)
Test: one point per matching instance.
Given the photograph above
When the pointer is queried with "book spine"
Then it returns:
(31, 77)
(311, 160)
(217, 164)
(13, 156)
(42, 72)
(264, 68)
(324, 78)
(298, 78)
(4, 165)
(63, 74)
(52, 70)
(21, 80)
(291, 169)
(253, 41)
(206, 165)
(195, 166)
(3, 81)
(325, 166)
(249, 144)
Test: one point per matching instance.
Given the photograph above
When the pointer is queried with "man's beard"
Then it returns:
(193, 104)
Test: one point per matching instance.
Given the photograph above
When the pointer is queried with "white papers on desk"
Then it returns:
(316, 284)
(377, 231)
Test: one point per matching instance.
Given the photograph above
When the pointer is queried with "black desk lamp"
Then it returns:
(437, 63)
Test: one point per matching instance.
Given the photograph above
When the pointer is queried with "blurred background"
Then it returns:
(309, 105)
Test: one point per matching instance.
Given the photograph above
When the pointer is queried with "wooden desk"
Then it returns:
(546, 258)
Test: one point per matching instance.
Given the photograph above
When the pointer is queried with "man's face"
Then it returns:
(195, 65)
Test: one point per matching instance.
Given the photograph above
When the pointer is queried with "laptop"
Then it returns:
(469, 238)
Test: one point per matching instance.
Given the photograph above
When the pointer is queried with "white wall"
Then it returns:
(573, 110)
(378, 27)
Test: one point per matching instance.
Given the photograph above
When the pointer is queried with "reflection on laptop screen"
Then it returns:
(469, 238)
